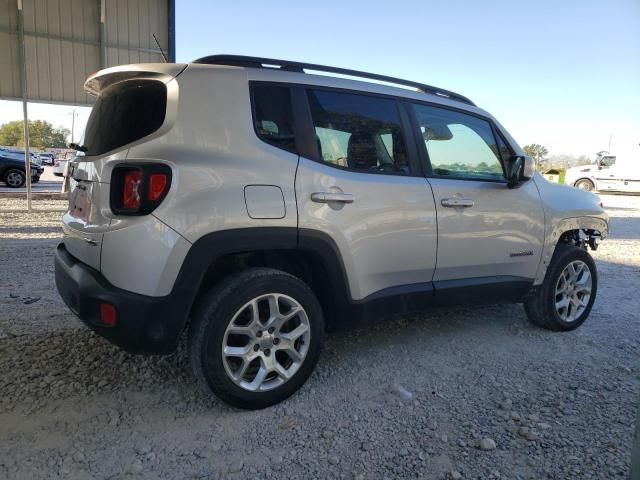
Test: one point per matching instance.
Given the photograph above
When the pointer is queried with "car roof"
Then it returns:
(267, 69)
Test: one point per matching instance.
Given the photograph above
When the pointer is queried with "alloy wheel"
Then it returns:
(266, 342)
(14, 179)
(573, 291)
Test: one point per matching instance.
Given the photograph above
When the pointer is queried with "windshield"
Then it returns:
(123, 113)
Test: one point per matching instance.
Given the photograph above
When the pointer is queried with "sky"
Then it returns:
(564, 74)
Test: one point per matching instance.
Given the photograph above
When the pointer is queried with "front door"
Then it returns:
(365, 194)
(487, 233)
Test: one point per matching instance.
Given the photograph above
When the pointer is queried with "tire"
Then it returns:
(15, 178)
(541, 307)
(35, 179)
(585, 184)
(228, 306)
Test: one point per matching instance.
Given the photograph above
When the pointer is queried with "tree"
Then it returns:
(538, 153)
(563, 161)
(41, 135)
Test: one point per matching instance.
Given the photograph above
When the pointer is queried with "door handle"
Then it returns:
(457, 202)
(328, 197)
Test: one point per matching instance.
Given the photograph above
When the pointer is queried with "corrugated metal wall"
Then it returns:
(9, 53)
(64, 44)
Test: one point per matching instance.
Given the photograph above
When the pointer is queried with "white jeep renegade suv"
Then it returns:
(253, 205)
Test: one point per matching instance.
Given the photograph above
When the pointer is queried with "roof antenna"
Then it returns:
(164, 57)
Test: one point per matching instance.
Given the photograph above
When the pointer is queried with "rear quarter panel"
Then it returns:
(215, 153)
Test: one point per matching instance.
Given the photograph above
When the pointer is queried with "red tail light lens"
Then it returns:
(138, 188)
(131, 190)
(157, 185)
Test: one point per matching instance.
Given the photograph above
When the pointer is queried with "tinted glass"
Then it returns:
(273, 115)
(124, 113)
(358, 132)
(459, 145)
(505, 151)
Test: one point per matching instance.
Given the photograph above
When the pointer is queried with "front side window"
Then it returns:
(608, 161)
(273, 115)
(358, 132)
(459, 145)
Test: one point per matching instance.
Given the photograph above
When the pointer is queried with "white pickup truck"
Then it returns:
(604, 175)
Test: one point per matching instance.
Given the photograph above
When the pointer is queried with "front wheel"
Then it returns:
(585, 184)
(563, 302)
(15, 178)
(256, 337)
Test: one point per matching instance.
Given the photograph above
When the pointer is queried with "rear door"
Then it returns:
(487, 233)
(361, 186)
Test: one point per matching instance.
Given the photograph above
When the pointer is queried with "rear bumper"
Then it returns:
(145, 324)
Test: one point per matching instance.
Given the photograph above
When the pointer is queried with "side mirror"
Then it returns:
(519, 169)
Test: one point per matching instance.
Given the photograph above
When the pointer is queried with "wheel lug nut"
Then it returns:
(276, 341)
(259, 333)
(271, 330)
(267, 352)
(256, 347)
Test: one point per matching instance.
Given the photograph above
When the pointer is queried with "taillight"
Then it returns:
(137, 189)
(131, 190)
(157, 185)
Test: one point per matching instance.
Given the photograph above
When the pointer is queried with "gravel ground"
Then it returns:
(465, 393)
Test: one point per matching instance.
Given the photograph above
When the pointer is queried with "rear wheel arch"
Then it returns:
(310, 256)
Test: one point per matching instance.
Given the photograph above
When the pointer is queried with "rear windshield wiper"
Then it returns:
(78, 148)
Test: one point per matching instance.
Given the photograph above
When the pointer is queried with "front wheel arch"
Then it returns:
(567, 227)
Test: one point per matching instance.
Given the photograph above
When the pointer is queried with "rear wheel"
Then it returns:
(585, 184)
(256, 337)
(563, 302)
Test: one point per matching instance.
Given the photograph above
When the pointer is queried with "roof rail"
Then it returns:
(290, 66)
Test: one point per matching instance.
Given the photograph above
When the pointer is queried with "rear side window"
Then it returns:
(273, 116)
(358, 132)
(123, 113)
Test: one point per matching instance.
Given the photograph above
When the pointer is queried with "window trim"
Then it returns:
(422, 148)
(416, 150)
(252, 85)
(305, 131)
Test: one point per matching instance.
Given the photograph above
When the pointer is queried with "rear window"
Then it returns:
(123, 113)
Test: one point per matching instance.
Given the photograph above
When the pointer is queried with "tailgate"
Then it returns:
(83, 223)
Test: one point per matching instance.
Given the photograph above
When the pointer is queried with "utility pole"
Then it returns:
(73, 123)
(23, 83)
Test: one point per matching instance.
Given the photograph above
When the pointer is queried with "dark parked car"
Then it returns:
(12, 172)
